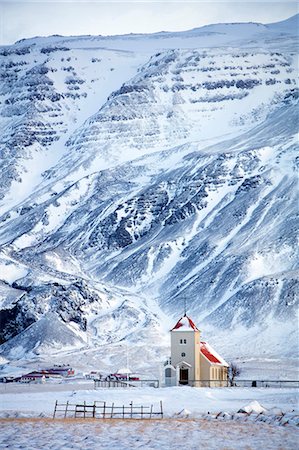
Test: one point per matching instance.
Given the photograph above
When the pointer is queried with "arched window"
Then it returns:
(168, 372)
(183, 354)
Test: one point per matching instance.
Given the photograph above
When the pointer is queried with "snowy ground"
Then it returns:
(35, 400)
(26, 412)
(22, 400)
(158, 434)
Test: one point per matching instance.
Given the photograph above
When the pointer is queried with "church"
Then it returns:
(193, 362)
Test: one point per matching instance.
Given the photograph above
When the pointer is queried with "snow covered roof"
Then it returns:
(185, 324)
(211, 355)
(32, 375)
(124, 370)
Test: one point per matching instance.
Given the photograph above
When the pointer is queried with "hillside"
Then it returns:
(141, 172)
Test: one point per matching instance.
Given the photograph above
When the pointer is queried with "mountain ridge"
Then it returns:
(293, 20)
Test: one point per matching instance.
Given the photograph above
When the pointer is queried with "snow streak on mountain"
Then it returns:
(140, 172)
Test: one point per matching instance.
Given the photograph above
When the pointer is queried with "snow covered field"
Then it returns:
(189, 418)
(38, 400)
(157, 434)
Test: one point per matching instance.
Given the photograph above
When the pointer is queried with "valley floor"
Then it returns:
(164, 434)
(38, 400)
(191, 418)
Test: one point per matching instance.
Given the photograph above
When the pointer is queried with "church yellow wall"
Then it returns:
(212, 372)
(205, 368)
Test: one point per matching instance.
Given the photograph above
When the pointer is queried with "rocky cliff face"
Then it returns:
(142, 172)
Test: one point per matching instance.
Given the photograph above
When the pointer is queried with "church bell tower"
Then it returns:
(185, 350)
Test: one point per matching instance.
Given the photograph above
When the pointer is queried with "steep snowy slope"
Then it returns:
(46, 91)
(50, 86)
(182, 96)
(142, 172)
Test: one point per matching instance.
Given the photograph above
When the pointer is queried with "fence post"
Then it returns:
(131, 404)
(161, 408)
(55, 410)
(66, 408)
(104, 410)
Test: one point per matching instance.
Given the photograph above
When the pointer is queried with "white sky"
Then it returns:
(24, 18)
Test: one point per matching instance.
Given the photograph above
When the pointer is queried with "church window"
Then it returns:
(168, 372)
(183, 341)
(183, 354)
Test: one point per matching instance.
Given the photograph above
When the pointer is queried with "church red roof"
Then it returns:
(185, 324)
(211, 355)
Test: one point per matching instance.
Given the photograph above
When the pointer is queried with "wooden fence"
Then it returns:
(125, 383)
(267, 383)
(102, 410)
(245, 383)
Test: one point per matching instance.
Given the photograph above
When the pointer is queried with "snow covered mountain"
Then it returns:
(140, 172)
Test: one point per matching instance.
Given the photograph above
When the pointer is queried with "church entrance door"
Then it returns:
(184, 376)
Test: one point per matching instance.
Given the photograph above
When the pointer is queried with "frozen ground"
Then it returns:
(158, 434)
(191, 418)
(38, 400)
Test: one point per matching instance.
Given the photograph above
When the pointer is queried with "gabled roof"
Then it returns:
(185, 324)
(183, 363)
(211, 355)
